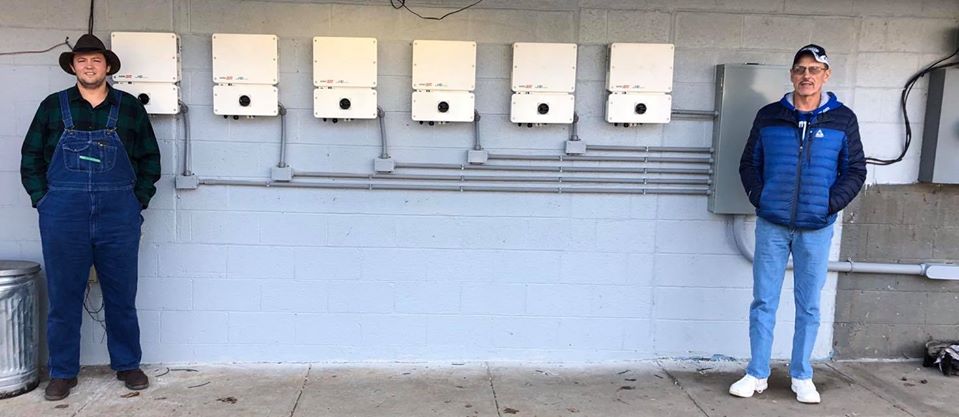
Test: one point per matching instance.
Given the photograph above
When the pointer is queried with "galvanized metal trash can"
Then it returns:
(20, 335)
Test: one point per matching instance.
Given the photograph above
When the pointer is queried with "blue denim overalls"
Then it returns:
(90, 216)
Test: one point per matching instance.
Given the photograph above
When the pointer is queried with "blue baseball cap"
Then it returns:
(817, 52)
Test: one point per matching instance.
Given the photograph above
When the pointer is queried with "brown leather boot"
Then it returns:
(134, 379)
(59, 388)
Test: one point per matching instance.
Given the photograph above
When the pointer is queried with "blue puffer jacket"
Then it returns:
(800, 169)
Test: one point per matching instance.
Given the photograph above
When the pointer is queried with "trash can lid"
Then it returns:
(15, 268)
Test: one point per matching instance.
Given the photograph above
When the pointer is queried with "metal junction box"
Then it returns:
(150, 70)
(639, 78)
(939, 162)
(246, 72)
(444, 76)
(741, 90)
(543, 82)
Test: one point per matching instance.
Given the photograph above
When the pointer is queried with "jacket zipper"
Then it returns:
(795, 206)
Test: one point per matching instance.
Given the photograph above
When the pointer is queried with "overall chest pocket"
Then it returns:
(93, 156)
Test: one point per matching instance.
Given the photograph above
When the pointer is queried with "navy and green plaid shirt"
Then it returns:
(133, 127)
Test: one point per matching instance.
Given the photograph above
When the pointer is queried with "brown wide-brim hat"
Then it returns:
(90, 43)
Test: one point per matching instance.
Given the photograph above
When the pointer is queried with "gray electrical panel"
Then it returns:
(939, 162)
(741, 90)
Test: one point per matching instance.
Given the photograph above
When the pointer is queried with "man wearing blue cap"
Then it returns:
(802, 164)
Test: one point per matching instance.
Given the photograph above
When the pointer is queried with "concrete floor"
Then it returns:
(660, 389)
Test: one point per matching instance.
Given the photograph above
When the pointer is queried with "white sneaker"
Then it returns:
(746, 386)
(805, 391)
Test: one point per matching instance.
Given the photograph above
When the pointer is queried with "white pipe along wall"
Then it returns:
(344, 264)
(932, 271)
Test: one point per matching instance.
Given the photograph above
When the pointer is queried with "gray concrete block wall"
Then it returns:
(892, 316)
(247, 274)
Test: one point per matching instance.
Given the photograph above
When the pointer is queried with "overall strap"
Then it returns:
(114, 110)
(65, 110)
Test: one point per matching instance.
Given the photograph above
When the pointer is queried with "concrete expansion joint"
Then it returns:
(306, 380)
(850, 380)
(492, 388)
(683, 389)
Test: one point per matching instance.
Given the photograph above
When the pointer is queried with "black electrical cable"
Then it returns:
(903, 100)
(401, 4)
(66, 42)
(90, 29)
(94, 312)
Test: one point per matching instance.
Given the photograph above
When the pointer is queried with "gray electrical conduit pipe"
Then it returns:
(477, 145)
(603, 158)
(500, 178)
(282, 110)
(554, 168)
(932, 271)
(380, 114)
(706, 114)
(573, 130)
(677, 149)
(187, 154)
(371, 185)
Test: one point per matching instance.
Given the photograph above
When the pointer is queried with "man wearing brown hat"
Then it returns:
(89, 163)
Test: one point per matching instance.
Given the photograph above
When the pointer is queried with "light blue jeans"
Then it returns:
(810, 251)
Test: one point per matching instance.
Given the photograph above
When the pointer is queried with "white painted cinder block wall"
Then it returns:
(249, 274)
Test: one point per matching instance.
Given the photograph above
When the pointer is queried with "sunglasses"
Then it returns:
(800, 70)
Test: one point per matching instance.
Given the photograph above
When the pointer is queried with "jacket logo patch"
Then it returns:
(819, 134)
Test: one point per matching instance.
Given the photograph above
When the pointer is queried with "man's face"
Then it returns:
(91, 68)
(808, 76)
